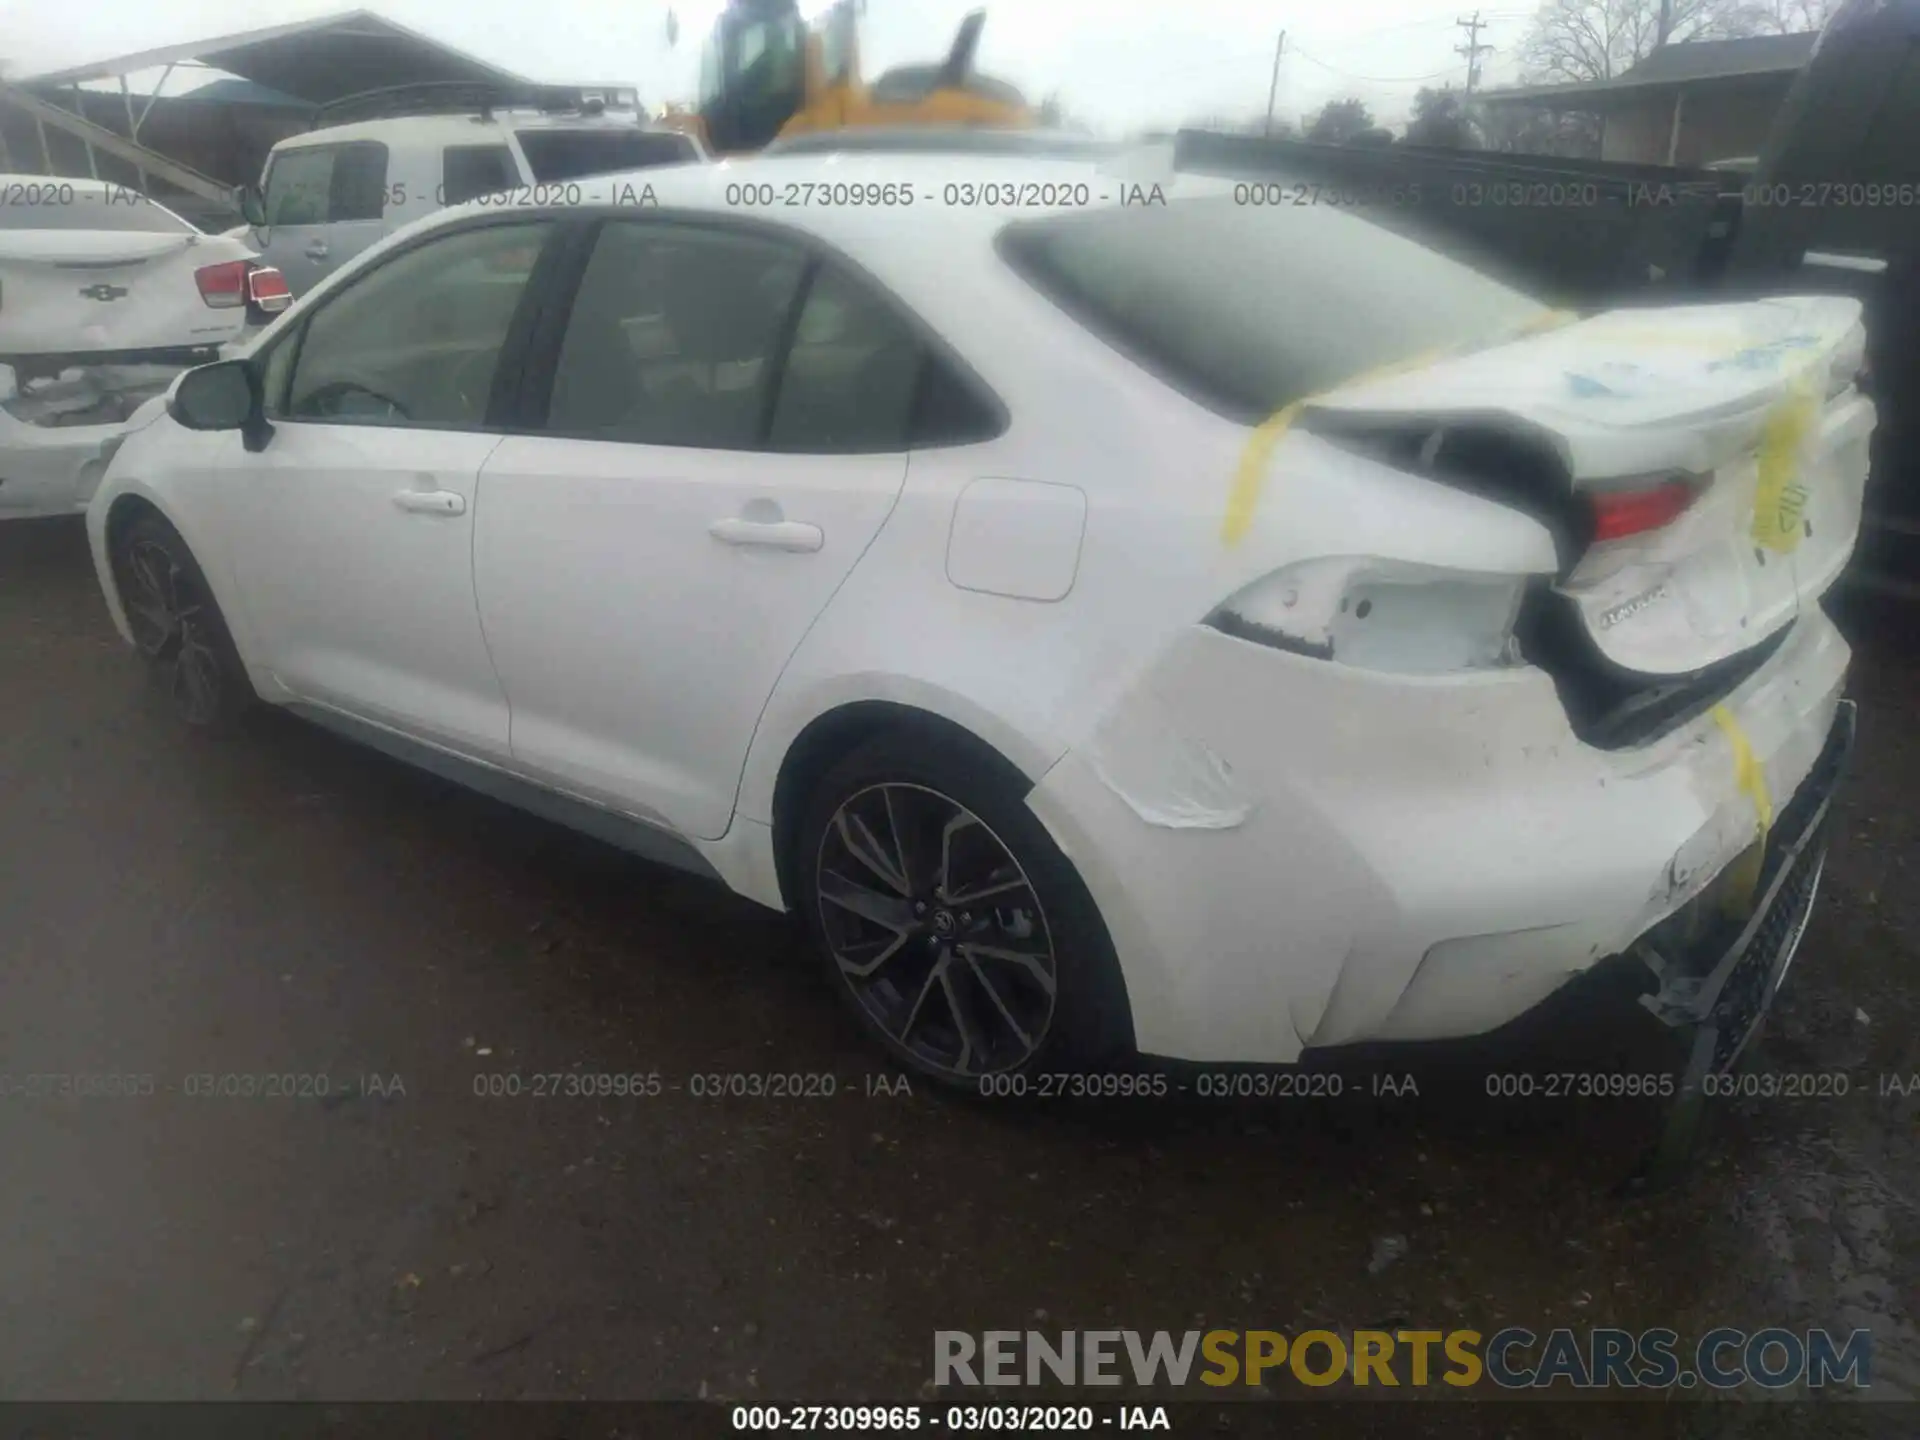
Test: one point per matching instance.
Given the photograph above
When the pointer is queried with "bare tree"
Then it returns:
(1584, 40)
(1791, 17)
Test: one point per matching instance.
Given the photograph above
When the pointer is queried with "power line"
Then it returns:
(1372, 79)
(1428, 24)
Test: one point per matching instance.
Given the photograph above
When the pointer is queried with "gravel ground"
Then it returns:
(287, 904)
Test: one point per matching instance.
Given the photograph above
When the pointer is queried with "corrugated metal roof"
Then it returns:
(243, 92)
(312, 60)
(1688, 63)
(1719, 59)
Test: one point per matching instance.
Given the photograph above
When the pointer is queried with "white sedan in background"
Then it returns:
(105, 296)
(1134, 623)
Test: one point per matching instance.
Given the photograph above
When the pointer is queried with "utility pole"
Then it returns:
(1473, 49)
(1666, 24)
(1273, 90)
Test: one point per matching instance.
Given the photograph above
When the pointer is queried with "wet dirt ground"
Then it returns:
(284, 904)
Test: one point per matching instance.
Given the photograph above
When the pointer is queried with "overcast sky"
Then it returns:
(1117, 64)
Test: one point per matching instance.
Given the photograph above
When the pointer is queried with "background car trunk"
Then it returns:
(75, 291)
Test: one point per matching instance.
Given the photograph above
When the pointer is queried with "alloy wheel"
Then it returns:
(936, 930)
(170, 621)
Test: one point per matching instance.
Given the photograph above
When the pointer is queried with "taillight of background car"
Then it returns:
(223, 286)
(267, 290)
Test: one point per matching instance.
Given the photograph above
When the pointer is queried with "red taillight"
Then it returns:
(1620, 513)
(267, 290)
(223, 286)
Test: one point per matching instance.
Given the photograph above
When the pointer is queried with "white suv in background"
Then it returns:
(378, 163)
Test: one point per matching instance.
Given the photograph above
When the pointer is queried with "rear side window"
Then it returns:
(851, 374)
(949, 410)
(60, 205)
(672, 337)
(1247, 310)
(359, 188)
(555, 155)
(470, 170)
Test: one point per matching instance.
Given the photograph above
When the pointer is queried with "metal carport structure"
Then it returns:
(313, 61)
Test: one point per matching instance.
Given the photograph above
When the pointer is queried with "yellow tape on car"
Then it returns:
(1743, 876)
(1249, 476)
(1780, 498)
(1251, 473)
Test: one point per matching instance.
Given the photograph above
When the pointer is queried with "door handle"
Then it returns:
(432, 502)
(768, 534)
(316, 249)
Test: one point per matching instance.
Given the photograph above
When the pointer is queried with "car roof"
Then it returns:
(1014, 187)
(947, 140)
(453, 128)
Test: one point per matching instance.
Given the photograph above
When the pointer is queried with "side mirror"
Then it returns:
(222, 396)
(253, 206)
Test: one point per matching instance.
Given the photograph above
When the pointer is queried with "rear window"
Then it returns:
(570, 154)
(59, 205)
(1248, 309)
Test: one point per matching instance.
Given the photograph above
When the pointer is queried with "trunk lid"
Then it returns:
(79, 292)
(1750, 407)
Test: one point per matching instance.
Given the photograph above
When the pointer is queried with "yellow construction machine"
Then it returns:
(766, 74)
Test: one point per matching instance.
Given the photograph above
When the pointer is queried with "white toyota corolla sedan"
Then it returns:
(1116, 619)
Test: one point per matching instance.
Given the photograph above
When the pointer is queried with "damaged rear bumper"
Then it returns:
(53, 430)
(1721, 967)
(1292, 853)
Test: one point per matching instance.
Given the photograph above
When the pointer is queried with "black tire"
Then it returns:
(983, 1017)
(177, 627)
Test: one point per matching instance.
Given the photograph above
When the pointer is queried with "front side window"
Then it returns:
(417, 340)
(672, 337)
(277, 371)
(767, 59)
(297, 185)
(359, 182)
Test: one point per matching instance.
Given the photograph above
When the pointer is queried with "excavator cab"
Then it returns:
(765, 73)
(753, 74)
